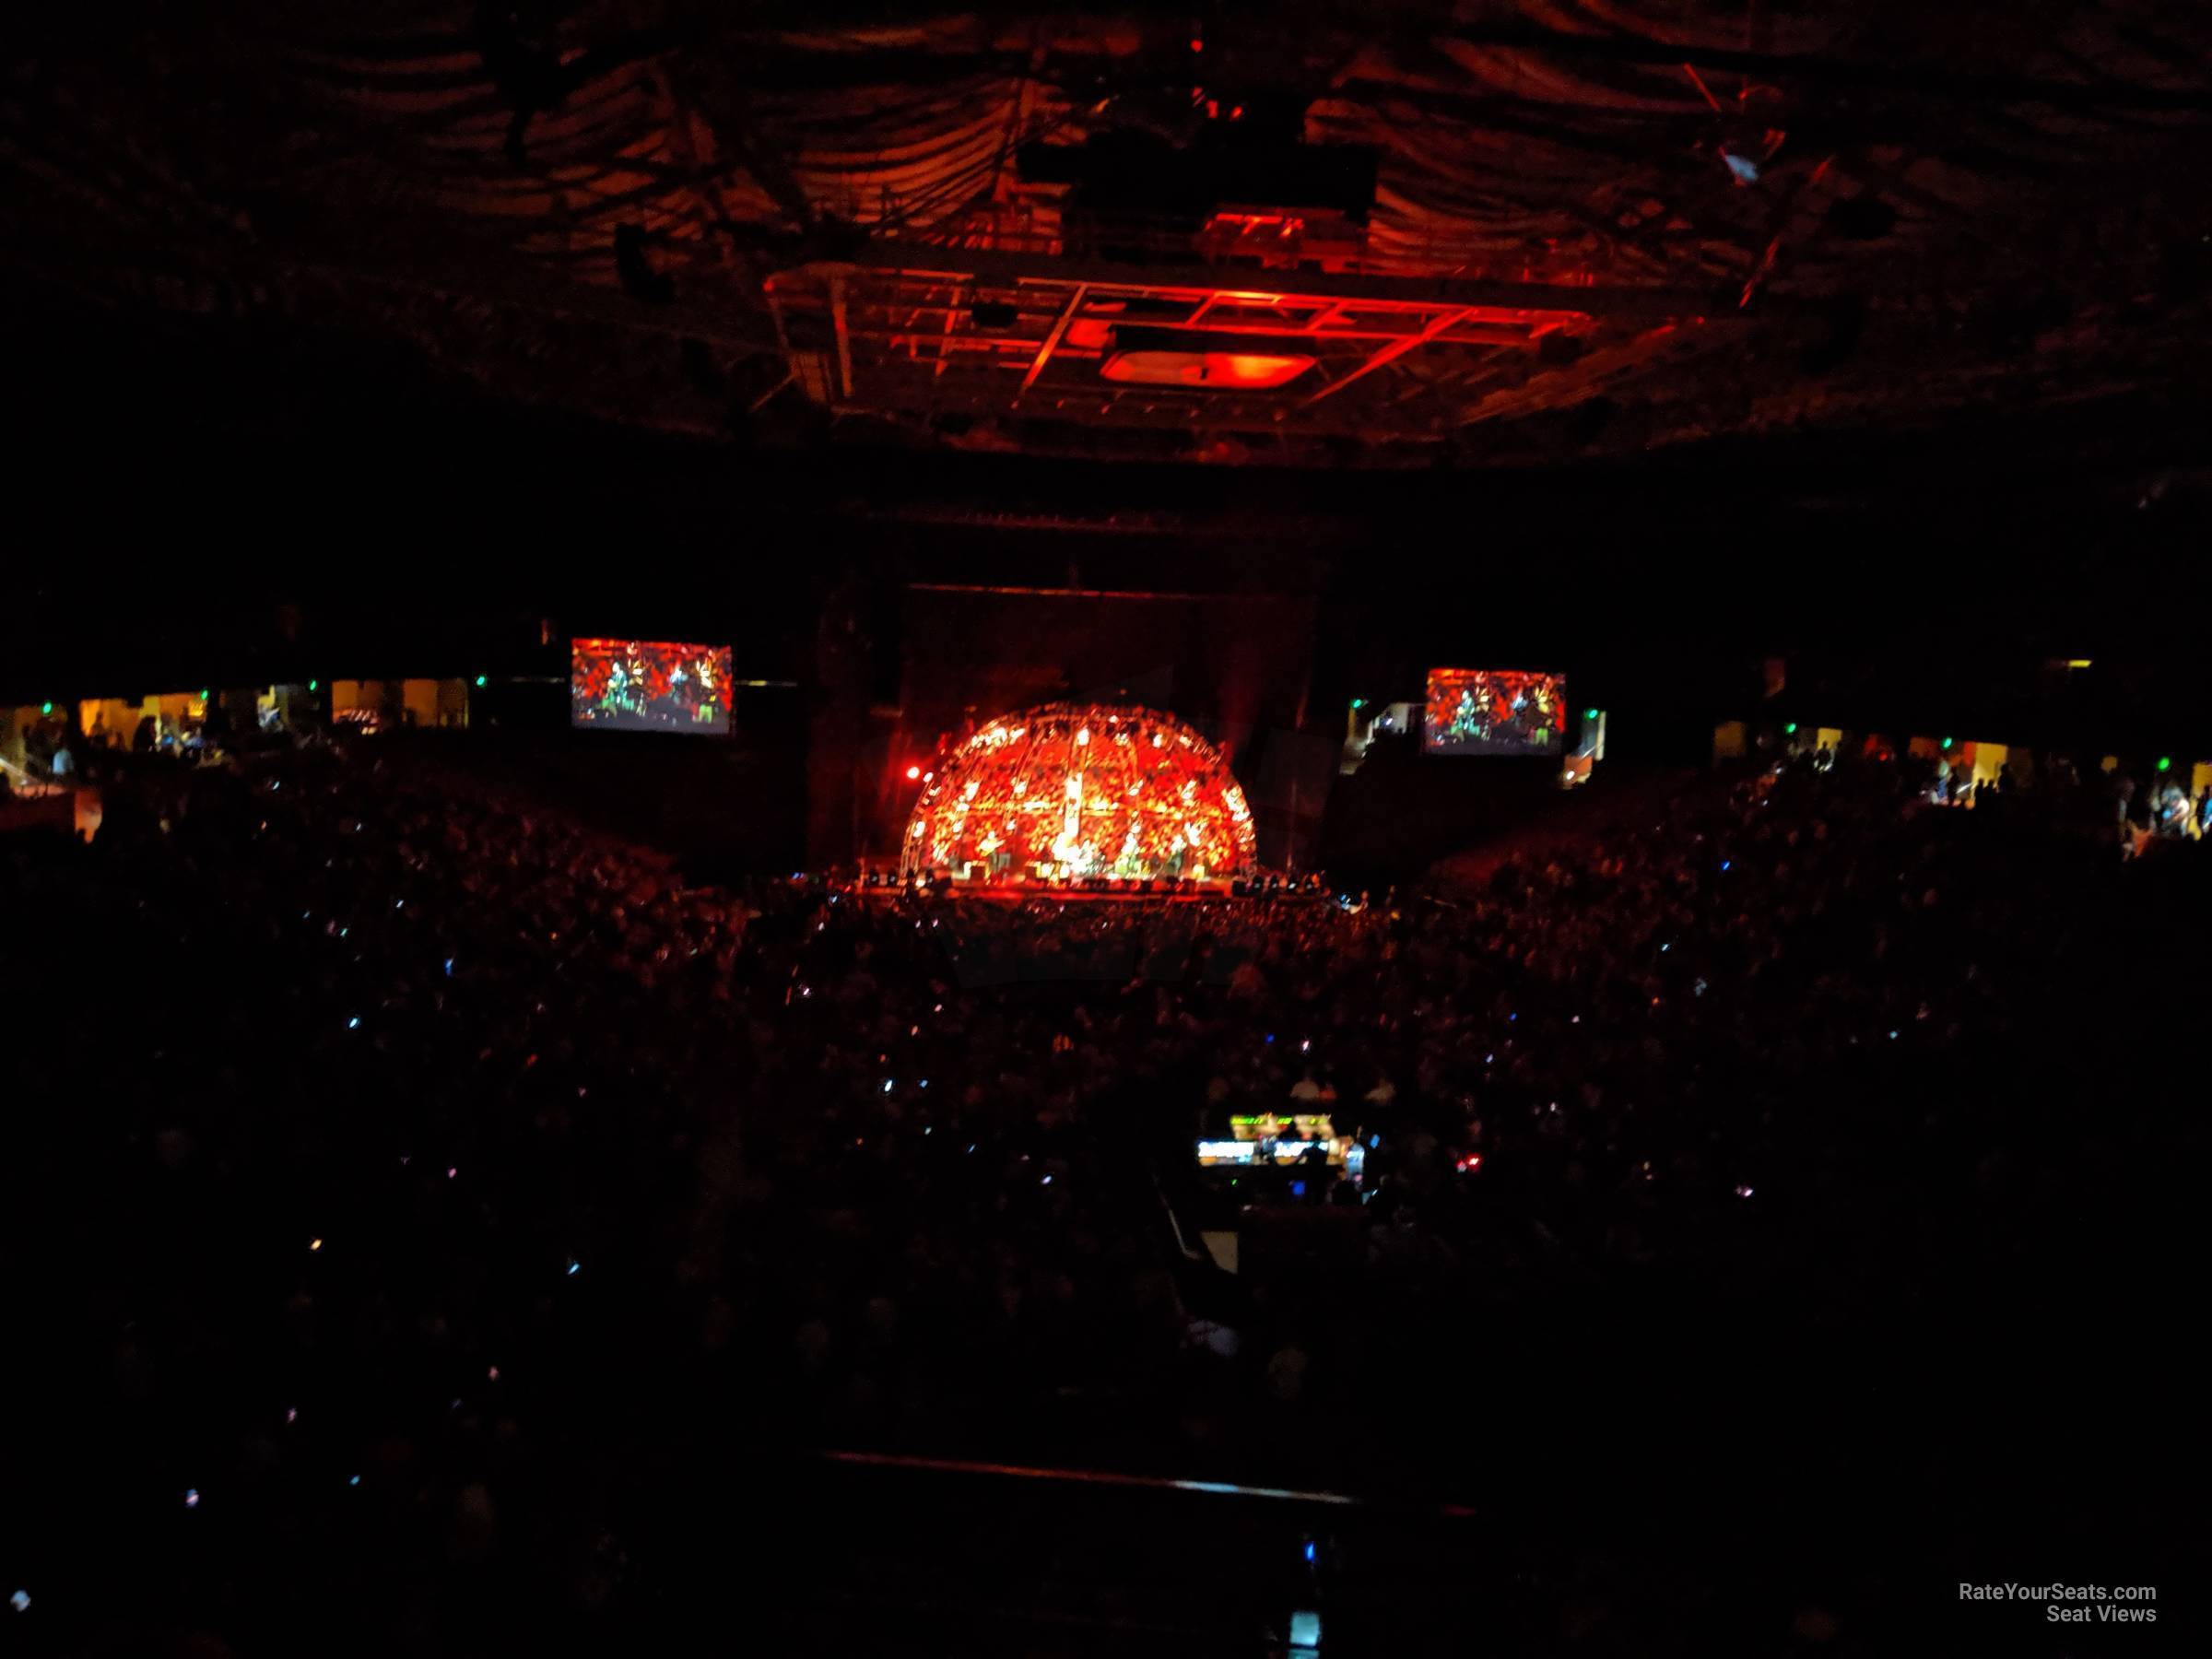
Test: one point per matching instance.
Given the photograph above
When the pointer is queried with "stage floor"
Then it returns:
(1046, 892)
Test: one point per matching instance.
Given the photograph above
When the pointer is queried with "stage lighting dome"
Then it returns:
(1079, 792)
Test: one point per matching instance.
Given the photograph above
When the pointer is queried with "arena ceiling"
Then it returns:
(1574, 226)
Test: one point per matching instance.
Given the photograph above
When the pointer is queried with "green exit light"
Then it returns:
(1359, 702)
(1947, 742)
(314, 685)
(1790, 730)
(479, 679)
(202, 694)
(2165, 762)
(1589, 713)
(45, 708)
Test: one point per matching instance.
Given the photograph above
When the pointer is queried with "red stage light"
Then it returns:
(1077, 792)
(913, 775)
(1229, 371)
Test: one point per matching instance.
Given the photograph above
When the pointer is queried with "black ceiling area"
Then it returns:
(1483, 234)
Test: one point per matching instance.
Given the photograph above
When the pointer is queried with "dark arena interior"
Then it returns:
(1297, 830)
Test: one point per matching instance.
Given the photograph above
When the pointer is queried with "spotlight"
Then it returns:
(1153, 357)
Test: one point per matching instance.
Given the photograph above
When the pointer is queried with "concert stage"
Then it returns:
(1109, 892)
(1080, 794)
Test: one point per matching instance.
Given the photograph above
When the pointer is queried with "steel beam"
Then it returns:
(1549, 299)
(1052, 340)
(1386, 355)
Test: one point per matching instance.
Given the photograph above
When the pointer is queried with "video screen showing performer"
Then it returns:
(1495, 711)
(650, 685)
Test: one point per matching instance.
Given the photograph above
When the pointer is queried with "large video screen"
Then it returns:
(650, 685)
(1495, 711)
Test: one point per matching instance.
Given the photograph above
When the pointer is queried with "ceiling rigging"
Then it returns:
(1387, 236)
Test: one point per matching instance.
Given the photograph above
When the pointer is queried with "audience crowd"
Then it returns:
(431, 1172)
